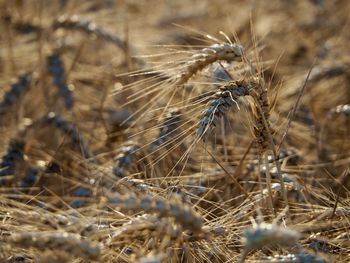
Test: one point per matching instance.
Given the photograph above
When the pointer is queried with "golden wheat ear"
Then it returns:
(61, 241)
(263, 234)
(181, 212)
(207, 56)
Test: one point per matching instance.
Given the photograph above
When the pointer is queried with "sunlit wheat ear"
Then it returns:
(263, 234)
(180, 74)
(88, 27)
(204, 57)
(262, 114)
(147, 226)
(263, 133)
(56, 69)
(14, 94)
(293, 258)
(61, 241)
(75, 224)
(181, 212)
(140, 223)
(54, 220)
(219, 104)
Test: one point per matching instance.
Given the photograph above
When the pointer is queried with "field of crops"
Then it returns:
(174, 131)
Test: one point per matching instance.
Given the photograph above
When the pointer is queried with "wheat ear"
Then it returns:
(182, 213)
(261, 235)
(204, 57)
(293, 258)
(17, 90)
(63, 241)
(56, 69)
(262, 131)
(88, 27)
(219, 104)
(77, 140)
(14, 155)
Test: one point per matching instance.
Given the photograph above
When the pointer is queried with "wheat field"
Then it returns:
(174, 131)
